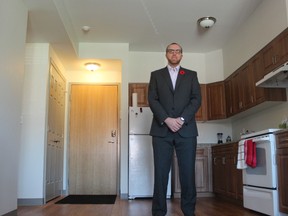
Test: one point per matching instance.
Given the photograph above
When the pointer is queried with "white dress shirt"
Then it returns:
(173, 74)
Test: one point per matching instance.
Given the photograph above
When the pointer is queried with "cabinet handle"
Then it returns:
(223, 160)
(214, 160)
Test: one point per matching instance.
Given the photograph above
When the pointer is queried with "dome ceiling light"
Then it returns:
(91, 66)
(206, 22)
(86, 28)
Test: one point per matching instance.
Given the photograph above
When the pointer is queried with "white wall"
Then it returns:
(34, 112)
(214, 66)
(270, 117)
(136, 67)
(268, 20)
(13, 23)
(141, 64)
(32, 164)
(209, 66)
(99, 76)
(208, 131)
(118, 53)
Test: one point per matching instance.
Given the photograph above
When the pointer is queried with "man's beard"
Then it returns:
(174, 62)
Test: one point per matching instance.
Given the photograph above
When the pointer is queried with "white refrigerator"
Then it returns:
(141, 168)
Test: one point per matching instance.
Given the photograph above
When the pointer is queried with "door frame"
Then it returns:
(67, 133)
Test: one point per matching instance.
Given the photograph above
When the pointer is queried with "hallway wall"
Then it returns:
(13, 24)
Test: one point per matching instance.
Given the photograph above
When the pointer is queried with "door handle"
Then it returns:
(113, 133)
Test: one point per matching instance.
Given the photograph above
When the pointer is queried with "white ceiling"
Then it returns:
(146, 25)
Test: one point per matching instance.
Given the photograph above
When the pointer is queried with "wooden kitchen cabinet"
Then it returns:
(241, 91)
(282, 164)
(247, 84)
(201, 114)
(142, 93)
(216, 100)
(276, 52)
(227, 179)
(236, 92)
(257, 70)
(264, 94)
(203, 178)
(228, 97)
(142, 96)
(218, 169)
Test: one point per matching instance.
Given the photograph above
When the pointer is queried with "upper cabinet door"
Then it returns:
(201, 114)
(216, 100)
(248, 86)
(228, 96)
(142, 94)
(276, 52)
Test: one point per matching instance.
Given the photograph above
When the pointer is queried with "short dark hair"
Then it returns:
(174, 43)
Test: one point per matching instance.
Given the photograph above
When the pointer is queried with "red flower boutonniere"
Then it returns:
(182, 72)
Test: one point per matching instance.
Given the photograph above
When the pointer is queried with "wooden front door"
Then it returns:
(93, 139)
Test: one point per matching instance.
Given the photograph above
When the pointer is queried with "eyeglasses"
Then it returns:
(172, 51)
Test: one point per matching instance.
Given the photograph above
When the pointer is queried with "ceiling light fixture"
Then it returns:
(85, 28)
(206, 22)
(91, 66)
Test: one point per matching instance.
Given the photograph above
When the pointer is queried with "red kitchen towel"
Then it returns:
(251, 153)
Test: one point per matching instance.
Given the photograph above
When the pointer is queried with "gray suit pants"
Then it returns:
(163, 149)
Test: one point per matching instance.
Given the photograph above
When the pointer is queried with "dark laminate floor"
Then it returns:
(209, 206)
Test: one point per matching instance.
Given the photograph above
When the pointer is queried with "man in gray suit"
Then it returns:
(174, 97)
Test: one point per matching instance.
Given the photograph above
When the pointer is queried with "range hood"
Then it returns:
(275, 79)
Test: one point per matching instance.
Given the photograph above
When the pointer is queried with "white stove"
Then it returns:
(260, 186)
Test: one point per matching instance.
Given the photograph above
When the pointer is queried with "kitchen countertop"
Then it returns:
(226, 143)
(201, 145)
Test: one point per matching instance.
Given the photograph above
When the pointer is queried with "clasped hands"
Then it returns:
(174, 124)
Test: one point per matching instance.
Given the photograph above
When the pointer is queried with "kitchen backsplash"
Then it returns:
(208, 131)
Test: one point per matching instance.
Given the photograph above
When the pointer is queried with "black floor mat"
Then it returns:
(88, 199)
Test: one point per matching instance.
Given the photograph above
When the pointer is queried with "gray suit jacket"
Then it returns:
(165, 102)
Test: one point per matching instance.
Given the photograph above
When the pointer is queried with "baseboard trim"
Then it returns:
(124, 196)
(30, 202)
(12, 213)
